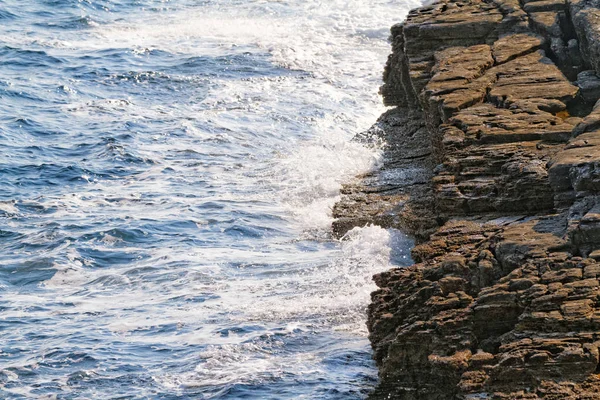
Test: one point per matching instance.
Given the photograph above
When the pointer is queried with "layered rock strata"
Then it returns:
(493, 163)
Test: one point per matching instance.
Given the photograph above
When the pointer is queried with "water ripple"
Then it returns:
(167, 172)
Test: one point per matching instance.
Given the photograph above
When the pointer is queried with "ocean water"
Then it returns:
(167, 172)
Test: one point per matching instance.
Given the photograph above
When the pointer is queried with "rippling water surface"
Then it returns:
(167, 172)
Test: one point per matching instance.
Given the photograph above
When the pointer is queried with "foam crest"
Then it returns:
(169, 233)
(312, 176)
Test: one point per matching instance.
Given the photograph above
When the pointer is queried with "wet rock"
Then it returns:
(397, 194)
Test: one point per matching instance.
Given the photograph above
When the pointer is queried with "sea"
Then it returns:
(167, 176)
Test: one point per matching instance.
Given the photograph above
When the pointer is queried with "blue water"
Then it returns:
(167, 172)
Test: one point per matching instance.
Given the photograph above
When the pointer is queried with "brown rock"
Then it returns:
(509, 47)
(492, 163)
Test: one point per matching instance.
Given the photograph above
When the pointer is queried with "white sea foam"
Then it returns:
(311, 176)
(264, 156)
(330, 297)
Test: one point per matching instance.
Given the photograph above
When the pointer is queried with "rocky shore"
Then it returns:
(492, 163)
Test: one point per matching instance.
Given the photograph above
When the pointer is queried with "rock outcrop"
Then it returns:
(493, 164)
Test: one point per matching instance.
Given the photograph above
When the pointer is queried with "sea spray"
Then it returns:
(168, 174)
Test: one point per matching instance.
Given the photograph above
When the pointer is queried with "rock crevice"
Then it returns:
(493, 165)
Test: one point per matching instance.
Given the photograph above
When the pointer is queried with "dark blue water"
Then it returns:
(167, 172)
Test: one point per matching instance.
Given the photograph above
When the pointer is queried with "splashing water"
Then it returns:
(168, 172)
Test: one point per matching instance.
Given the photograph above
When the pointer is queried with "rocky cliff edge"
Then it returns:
(492, 163)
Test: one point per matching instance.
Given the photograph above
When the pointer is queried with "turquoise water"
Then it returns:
(167, 172)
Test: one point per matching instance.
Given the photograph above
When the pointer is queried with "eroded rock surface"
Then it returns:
(493, 163)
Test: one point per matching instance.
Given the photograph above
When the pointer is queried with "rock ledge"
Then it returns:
(493, 165)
